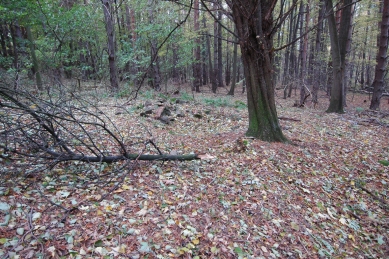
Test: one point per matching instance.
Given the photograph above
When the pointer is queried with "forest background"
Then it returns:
(90, 89)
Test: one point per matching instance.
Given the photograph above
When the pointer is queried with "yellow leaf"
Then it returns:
(351, 237)
(100, 213)
(125, 187)
(196, 241)
(352, 183)
(118, 191)
(109, 208)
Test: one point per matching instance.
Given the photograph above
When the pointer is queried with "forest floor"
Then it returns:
(324, 196)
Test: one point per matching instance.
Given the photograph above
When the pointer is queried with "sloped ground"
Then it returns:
(323, 197)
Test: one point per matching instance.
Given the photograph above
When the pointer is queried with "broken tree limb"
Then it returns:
(288, 119)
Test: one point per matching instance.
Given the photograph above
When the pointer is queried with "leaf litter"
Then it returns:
(326, 196)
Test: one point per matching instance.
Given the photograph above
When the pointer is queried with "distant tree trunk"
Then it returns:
(255, 31)
(111, 45)
(292, 58)
(380, 69)
(234, 67)
(347, 51)
(210, 67)
(35, 63)
(204, 68)
(303, 52)
(155, 75)
(338, 53)
(196, 50)
(318, 62)
(3, 36)
(228, 67)
(286, 80)
(215, 56)
(219, 52)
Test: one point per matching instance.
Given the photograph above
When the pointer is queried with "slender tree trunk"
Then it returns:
(228, 67)
(209, 54)
(35, 63)
(219, 52)
(286, 79)
(196, 50)
(234, 68)
(380, 69)
(154, 72)
(3, 36)
(215, 56)
(111, 45)
(204, 68)
(254, 24)
(318, 63)
(347, 52)
(304, 50)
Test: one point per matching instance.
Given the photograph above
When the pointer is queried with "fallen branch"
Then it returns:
(288, 119)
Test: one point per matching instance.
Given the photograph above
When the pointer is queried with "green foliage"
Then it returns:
(186, 96)
(225, 102)
(148, 95)
(124, 91)
(218, 102)
(384, 162)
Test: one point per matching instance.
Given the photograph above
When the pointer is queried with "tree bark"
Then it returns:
(338, 53)
(219, 52)
(254, 24)
(35, 63)
(380, 69)
(234, 68)
(215, 71)
(155, 75)
(196, 50)
(303, 52)
(111, 45)
(318, 63)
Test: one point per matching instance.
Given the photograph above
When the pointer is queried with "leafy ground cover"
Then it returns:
(324, 196)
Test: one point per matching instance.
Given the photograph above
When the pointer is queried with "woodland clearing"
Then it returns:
(323, 196)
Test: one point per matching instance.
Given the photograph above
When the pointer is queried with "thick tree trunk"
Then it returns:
(254, 23)
(380, 69)
(111, 45)
(338, 53)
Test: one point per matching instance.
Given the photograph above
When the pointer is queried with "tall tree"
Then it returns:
(380, 68)
(196, 50)
(219, 51)
(255, 29)
(303, 53)
(109, 26)
(154, 72)
(234, 68)
(338, 53)
(35, 63)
